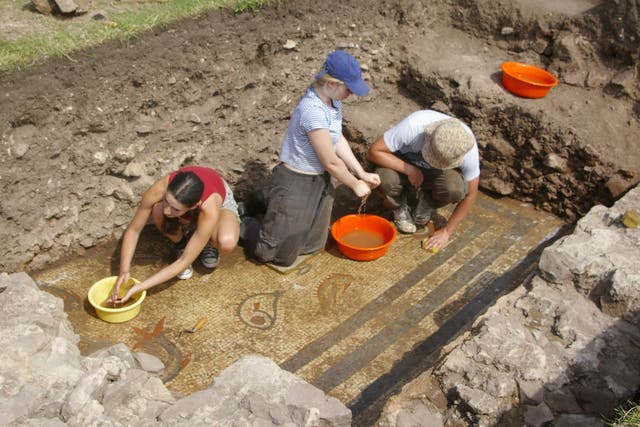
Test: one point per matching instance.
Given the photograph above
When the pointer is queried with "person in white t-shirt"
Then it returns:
(432, 159)
(314, 149)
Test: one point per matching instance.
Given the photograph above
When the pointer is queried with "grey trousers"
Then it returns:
(297, 219)
(439, 187)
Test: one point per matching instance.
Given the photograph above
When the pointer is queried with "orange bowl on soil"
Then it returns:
(526, 80)
(363, 237)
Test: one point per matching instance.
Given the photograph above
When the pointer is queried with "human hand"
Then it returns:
(127, 296)
(372, 179)
(415, 176)
(436, 241)
(122, 278)
(361, 188)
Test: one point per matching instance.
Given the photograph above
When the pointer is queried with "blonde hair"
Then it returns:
(324, 79)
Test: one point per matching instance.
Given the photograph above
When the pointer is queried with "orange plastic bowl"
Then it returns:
(374, 226)
(526, 80)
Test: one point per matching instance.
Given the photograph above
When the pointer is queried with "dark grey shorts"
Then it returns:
(297, 219)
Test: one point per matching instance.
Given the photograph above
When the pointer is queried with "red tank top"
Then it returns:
(213, 184)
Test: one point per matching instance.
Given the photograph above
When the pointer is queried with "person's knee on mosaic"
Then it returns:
(300, 196)
(195, 209)
(432, 159)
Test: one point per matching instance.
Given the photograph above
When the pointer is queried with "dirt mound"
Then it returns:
(85, 135)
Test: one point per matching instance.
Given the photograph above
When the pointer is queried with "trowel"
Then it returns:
(199, 324)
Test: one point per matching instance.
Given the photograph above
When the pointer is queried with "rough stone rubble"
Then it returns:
(562, 348)
(45, 381)
(66, 7)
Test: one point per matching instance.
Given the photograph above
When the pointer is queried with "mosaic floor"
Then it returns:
(356, 330)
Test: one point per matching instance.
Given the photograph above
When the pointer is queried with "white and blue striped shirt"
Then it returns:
(310, 114)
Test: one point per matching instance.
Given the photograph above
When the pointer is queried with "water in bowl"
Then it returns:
(108, 303)
(363, 239)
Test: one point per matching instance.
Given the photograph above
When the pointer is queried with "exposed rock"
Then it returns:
(125, 154)
(426, 406)
(537, 416)
(134, 170)
(548, 350)
(625, 82)
(46, 7)
(502, 147)
(497, 185)
(622, 299)
(144, 129)
(562, 401)
(479, 402)
(418, 415)
(274, 395)
(149, 362)
(555, 162)
(82, 6)
(67, 6)
(530, 391)
(46, 382)
(573, 420)
(21, 139)
(20, 149)
(85, 391)
(570, 51)
(618, 184)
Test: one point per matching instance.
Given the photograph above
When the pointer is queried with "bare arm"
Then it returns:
(380, 155)
(343, 151)
(130, 239)
(441, 236)
(321, 142)
(207, 220)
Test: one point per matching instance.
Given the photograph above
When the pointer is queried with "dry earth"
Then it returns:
(82, 137)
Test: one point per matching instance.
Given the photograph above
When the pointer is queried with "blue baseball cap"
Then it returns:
(343, 66)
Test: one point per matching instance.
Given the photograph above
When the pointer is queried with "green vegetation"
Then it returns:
(250, 5)
(61, 37)
(627, 416)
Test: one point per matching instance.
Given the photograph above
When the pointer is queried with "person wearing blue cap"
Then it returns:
(300, 198)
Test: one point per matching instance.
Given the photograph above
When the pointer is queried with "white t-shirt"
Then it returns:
(408, 138)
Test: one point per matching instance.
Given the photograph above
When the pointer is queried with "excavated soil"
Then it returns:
(83, 136)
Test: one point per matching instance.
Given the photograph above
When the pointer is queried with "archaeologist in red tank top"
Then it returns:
(431, 158)
(193, 207)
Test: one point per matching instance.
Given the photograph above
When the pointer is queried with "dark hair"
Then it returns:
(187, 188)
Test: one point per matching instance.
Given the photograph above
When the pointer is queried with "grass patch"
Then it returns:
(627, 416)
(59, 37)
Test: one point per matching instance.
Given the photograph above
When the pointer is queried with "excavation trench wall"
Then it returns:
(85, 137)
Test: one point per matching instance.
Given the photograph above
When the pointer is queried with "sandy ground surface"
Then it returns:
(83, 136)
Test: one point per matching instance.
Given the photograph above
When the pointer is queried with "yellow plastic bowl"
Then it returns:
(101, 291)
